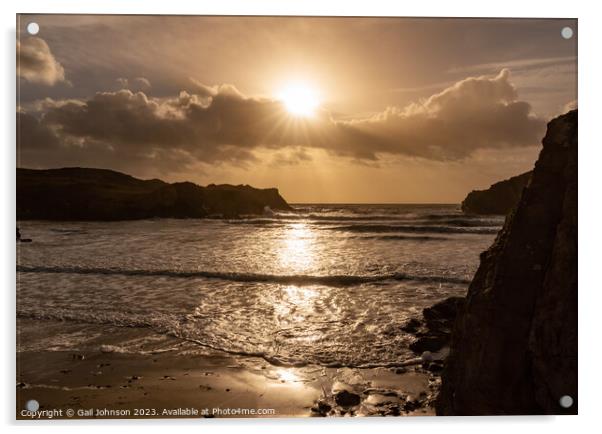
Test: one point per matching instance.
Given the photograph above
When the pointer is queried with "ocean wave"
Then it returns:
(171, 325)
(444, 216)
(416, 229)
(312, 219)
(258, 221)
(377, 224)
(401, 237)
(462, 222)
(328, 280)
(68, 231)
(361, 217)
(452, 219)
(181, 327)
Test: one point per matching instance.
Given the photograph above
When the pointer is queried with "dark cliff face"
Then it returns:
(97, 194)
(500, 198)
(514, 344)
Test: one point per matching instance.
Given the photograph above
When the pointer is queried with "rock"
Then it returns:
(346, 399)
(434, 332)
(430, 343)
(412, 405)
(445, 310)
(324, 407)
(321, 408)
(105, 195)
(514, 344)
(411, 326)
(393, 410)
(500, 198)
(440, 317)
(427, 356)
(435, 366)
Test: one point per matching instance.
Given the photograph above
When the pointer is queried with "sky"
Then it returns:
(330, 110)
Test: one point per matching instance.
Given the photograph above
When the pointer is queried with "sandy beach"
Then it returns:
(104, 384)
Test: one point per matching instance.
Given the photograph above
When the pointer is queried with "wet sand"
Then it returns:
(100, 384)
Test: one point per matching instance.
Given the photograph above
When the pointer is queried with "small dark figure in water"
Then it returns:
(18, 235)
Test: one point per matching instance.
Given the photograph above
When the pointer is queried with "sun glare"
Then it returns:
(300, 99)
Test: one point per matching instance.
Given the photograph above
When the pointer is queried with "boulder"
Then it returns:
(429, 343)
(434, 331)
(347, 399)
(440, 316)
(411, 326)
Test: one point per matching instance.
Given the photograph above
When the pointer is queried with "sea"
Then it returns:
(327, 285)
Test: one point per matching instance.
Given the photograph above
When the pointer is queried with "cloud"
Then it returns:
(219, 124)
(36, 63)
(143, 82)
(138, 83)
(547, 83)
(475, 113)
(123, 82)
(521, 64)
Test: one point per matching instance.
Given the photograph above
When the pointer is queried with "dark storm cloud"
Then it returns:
(36, 63)
(219, 124)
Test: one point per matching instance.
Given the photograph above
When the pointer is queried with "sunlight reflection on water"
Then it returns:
(296, 305)
(306, 320)
(298, 250)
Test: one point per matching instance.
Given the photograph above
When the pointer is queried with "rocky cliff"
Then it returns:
(98, 194)
(514, 343)
(500, 198)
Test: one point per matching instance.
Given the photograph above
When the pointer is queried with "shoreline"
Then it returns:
(100, 384)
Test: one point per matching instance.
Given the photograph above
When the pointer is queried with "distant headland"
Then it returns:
(500, 198)
(77, 193)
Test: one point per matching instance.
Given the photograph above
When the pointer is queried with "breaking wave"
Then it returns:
(295, 279)
(416, 229)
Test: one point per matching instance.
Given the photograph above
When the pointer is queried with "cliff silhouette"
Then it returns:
(98, 194)
(514, 342)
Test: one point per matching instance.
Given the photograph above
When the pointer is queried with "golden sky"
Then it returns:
(350, 110)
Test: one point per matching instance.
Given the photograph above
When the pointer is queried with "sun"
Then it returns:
(300, 99)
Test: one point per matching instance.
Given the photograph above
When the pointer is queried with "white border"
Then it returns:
(466, 8)
(589, 211)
